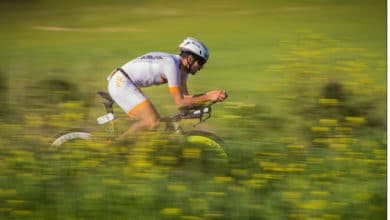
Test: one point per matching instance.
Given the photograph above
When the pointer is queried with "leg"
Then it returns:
(147, 119)
(134, 103)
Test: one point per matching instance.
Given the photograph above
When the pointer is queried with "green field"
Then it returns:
(304, 125)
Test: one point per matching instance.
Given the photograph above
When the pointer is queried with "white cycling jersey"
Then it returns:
(149, 69)
(155, 68)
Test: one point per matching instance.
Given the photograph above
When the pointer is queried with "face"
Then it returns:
(196, 66)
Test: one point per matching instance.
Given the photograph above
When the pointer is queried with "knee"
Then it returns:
(154, 124)
(151, 123)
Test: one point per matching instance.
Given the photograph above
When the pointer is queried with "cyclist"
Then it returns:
(157, 68)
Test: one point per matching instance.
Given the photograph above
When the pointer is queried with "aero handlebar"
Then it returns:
(199, 112)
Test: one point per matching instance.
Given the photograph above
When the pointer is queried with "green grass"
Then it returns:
(298, 151)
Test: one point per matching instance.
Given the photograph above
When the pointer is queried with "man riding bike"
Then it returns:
(157, 68)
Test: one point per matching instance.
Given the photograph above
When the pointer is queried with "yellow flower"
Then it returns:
(171, 211)
(21, 212)
(328, 122)
(314, 204)
(319, 193)
(292, 196)
(167, 159)
(331, 102)
(142, 163)
(321, 140)
(320, 129)
(355, 120)
(296, 146)
(223, 179)
(89, 163)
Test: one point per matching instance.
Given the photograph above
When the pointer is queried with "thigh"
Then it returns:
(126, 94)
(144, 111)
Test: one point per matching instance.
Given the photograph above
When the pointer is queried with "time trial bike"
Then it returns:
(207, 141)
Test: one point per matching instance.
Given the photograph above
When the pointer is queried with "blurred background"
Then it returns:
(304, 125)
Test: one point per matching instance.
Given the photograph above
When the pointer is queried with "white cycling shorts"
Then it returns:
(125, 93)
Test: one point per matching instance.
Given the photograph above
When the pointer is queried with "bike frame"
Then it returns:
(172, 125)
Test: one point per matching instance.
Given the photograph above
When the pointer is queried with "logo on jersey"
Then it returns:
(150, 57)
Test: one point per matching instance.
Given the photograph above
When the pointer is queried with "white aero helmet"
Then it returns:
(195, 46)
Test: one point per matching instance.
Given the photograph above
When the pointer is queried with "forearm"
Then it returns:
(197, 99)
(189, 101)
(184, 101)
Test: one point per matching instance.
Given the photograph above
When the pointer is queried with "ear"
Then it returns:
(190, 59)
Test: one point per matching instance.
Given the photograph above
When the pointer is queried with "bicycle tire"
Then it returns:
(70, 136)
(210, 140)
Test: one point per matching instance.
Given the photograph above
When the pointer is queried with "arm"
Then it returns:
(183, 99)
(186, 95)
(179, 91)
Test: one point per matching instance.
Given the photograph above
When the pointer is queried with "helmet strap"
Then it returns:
(189, 64)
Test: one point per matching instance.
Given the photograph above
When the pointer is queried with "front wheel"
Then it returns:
(207, 140)
(205, 150)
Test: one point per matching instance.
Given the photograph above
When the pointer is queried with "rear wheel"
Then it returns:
(70, 136)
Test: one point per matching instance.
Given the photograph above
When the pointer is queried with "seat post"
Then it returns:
(107, 101)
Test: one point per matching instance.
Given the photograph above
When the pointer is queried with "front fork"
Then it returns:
(174, 127)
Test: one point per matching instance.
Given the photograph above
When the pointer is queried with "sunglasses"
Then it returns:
(201, 61)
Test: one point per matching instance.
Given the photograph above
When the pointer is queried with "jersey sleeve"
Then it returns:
(172, 75)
